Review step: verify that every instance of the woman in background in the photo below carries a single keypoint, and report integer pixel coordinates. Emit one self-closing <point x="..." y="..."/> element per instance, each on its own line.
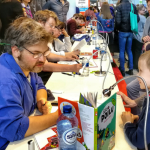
<point x="107" y="24"/>
<point x="26" y="6"/>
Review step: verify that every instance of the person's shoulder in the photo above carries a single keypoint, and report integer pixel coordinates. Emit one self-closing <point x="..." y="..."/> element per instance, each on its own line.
<point x="148" y="18"/>
<point x="71" y="21"/>
<point x="7" y="75"/>
<point x="119" y="7"/>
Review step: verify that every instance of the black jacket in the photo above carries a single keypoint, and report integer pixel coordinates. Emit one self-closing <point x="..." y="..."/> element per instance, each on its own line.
<point x="9" y="11"/>
<point x="122" y="21"/>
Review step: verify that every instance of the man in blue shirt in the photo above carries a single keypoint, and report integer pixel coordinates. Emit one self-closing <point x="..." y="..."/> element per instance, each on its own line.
<point x="21" y="90"/>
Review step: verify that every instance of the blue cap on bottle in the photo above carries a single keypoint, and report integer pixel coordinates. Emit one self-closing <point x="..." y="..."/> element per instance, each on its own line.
<point x="67" y="109"/>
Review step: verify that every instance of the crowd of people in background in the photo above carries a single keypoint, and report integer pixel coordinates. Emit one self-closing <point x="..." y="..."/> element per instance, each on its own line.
<point x="35" y="35"/>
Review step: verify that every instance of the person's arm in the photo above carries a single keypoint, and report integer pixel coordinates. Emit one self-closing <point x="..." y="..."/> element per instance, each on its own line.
<point x="55" y="58"/>
<point x="135" y="132"/>
<point x="39" y="123"/>
<point x="15" y="123"/>
<point x="118" y="17"/>
<point x="53" y="67"/>
<point x="139" y="101"/>
<point x="63" y="46"/>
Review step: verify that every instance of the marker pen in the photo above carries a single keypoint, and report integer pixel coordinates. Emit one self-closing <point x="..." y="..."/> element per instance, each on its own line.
<point x="31" y="145"/>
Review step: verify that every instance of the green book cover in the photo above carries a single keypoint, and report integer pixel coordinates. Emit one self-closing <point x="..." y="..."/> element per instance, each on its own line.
<point x="106" y="124"/>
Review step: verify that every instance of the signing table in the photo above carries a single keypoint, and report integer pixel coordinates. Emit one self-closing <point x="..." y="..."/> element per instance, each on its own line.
<point x="70" y="87"/>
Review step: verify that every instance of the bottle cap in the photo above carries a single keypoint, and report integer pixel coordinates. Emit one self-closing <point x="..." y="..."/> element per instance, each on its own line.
<point x="67" y="109"/>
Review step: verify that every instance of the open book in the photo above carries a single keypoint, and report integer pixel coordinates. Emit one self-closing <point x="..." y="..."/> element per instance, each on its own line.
<point x="98" y="122"/>
<point x="90" y="99"/>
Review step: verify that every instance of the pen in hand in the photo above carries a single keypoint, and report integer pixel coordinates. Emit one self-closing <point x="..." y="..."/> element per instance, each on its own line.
<point x="77" y="61"/>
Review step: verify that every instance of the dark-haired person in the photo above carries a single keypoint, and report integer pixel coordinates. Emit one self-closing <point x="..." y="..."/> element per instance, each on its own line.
<point x="60" y="7"/>
<point x="21" y="89"/>
<point x="9" y="11"/>
<point x="122" y="23"/>
<point x="59" y="46"/>
<point x="73" y="23"/>
<point x="26" y="6"/>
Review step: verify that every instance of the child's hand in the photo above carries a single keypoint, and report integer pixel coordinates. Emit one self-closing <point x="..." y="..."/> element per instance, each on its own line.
<point x="135" y="118"/>
<point x="126" y="117"/>
<point x="129" y="102"/>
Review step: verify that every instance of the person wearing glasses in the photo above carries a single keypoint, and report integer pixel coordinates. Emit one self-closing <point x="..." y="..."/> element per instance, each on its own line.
<point x="49" y="20"/>
<point x="60" y="47"/>
<point x="21" y="89"/>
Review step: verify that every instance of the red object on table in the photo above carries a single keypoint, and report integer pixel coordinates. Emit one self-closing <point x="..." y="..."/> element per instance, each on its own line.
<point x="95" y="56"/>
<point x="122" y="85"/>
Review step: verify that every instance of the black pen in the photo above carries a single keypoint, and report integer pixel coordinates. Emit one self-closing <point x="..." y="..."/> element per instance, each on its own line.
<point x="67" y="74"/>
<point x="77" y="61"/>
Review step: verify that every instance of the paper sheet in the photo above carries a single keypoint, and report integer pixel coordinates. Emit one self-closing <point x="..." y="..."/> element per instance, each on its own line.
<point x="80" y="45"/>
<point x="67" y="62"/>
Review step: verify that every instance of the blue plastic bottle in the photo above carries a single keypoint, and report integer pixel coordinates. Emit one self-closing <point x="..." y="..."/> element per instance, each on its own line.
<point x="67" y="125"/>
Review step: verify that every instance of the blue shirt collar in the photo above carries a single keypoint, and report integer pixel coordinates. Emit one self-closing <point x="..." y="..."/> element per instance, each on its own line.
<point x="12" y="63"/>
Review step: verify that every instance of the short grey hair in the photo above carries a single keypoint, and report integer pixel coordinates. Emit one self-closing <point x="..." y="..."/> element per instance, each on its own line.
<point x="25" y="32"/>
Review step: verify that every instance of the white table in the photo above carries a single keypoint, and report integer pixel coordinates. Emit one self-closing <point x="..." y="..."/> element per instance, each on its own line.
<point x="71" y="87"/>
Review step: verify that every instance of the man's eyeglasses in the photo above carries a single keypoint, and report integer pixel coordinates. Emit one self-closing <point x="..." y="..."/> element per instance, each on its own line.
<point x="38" y="55"/>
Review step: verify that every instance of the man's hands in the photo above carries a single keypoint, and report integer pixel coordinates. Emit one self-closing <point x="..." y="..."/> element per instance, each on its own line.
<point x="76" y="67"/>
<point x="129" y="103"/>
<point x="71" y="56"/>
<point x="76" y="52"/>
<point x="146" y="39"/>
<point x="128" y="117"/>
<point x="44" y="107"/>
